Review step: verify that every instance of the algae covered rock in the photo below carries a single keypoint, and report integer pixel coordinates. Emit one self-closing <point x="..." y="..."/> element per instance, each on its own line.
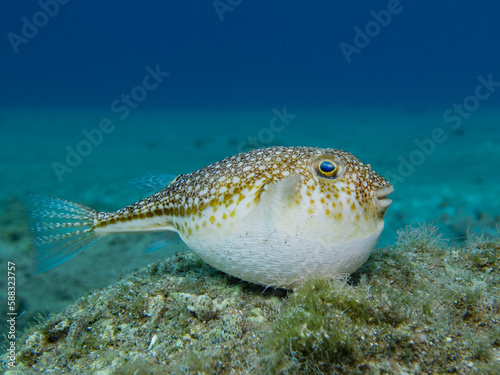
<point x="418" y="307"/>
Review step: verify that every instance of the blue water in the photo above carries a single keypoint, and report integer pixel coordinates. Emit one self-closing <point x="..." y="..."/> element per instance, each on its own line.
<point x="426" y="53"/>
<point x="411" y="87"/>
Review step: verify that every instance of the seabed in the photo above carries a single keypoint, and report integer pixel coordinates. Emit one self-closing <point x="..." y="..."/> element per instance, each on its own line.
<point x="420" y="306"/>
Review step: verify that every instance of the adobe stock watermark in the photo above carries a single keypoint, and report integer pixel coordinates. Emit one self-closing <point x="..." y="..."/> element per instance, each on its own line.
<point x="266" y="135"/>
<point x="121" y="107"/>
<point x="363" y="37"/>
<point x="453" y="116"/>
<point x="223" y="6"/>
<point x="32" y="25"/>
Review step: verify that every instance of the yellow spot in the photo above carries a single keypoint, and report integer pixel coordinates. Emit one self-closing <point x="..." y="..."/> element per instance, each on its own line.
<point x="311" y="211"/>
<point x="218" y="225"/>
<point x="212" y="219"/>
<point x="322" y="200"/>
<point x="224" y="216"/>
<point x="353" y="206"/>
<point x="339" y="216"/>
<point x="189" y="231"/>
<point x="197" y="227"/>
<point x="327" y="212"/>
<point x="233" y="212"/>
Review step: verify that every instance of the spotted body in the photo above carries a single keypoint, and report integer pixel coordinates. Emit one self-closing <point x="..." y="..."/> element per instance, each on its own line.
<point x="270" y="216"/>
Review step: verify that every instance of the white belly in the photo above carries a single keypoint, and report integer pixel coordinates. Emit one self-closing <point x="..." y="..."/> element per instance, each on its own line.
<point x="273" y="257"/>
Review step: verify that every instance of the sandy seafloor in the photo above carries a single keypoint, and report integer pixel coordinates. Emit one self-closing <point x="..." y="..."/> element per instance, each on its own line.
<point x="456" y="186"/>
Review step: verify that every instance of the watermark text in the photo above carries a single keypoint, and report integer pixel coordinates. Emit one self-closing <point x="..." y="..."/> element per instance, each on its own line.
<point x="266" y="135"/>
<point x="32" y="25"/>
<point x="121" y="107"/>
<point x="11" y="314"/>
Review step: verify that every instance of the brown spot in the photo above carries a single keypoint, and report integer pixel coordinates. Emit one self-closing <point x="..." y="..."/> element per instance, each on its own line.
<point x="157" y="212"/>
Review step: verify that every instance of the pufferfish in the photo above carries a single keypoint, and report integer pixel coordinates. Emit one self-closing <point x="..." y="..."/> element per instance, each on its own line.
<point x="271" y="216"/>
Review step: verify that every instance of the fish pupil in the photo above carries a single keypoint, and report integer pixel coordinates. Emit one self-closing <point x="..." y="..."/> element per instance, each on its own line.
<point x="327" y="167"/>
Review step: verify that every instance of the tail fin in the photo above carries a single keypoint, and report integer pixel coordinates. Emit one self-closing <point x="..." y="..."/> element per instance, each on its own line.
<point x="61" y="228"/>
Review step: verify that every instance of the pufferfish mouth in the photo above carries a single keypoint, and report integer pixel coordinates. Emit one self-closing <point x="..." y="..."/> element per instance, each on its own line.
<point x="381" y="197"/>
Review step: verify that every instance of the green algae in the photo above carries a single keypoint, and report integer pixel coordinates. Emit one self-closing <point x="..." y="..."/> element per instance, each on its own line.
<point x="420" y="306"/>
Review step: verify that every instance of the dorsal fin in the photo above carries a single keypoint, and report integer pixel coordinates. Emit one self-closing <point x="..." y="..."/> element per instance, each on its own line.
<point x="153" y="183"/>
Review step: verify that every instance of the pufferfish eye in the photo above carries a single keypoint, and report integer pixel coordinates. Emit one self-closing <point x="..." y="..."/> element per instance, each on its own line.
<point x="327" y="168"/>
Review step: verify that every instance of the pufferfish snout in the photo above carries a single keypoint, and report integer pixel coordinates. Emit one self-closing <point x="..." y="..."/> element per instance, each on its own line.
<point x="270" y="216"/>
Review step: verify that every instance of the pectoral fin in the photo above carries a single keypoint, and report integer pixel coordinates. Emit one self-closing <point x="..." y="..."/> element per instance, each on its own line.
<point x="274" y="197"/>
